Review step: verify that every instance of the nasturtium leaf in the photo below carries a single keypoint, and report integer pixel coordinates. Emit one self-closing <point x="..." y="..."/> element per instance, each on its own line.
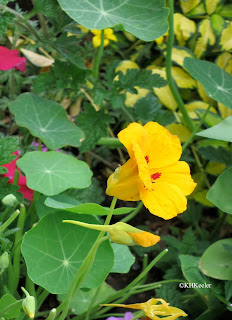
<point x="82" y="300"/>
<point x="123" y="258"/>
<point x="189" y="267"/>
<point x="216" y="262"/>
<point x="6" y="301"/>
<point x="220" y="192"/>
<point x="7" y="146"/>
<point x="222" y="131"/>
<point x="147" y="20"/>
<point x="53" y="172"/>
<point x="46" y="120"/>
<point x="217" y="82"/>
<point x="54" y="252"/>
<point x="41" y="209"/>
<point x="86" y="208"/>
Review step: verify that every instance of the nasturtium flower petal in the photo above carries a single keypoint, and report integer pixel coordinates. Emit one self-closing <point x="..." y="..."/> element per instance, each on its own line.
<point x="133" y="133"/>
<point x="177" y="174"/>
<point x="144" y="239"/>
<point x="162" y="147"/>
<point x="124" y="182"/>
<point x="165" y="200"/>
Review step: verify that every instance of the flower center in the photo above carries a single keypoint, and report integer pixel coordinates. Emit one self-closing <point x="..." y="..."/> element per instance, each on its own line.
<point x="155" y="176"/>
<point x="147" y="159"/>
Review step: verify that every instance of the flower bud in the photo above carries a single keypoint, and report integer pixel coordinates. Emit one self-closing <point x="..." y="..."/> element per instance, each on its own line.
<point x="9" y="200"/>
<point x="29" y="304"/>
<point x="4" y="260"/>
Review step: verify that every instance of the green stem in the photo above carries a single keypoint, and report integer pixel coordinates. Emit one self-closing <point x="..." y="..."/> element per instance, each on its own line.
<point x="42" y="22"/>
<point x="200" y="166"/>
<point x="12" y="84"/>
<point x="188" y="121"/>
<point x="9" y="221"/>
<point x="44" y="294"/>
<point x="218" y="225"/>
<point x="52" y="314"/>
<point x="135" y="281"/>
<point x="111" y="142"/>
<point x="133" y="213"/>
<point x="197" y="128"/>
<point x="16" y="178"/>
<point x="92" y="303"/>
<point x="15" y="274"/>
<point x="5" y="213"/>
<point x="85" y="267"/>
<point x="30" y="287"/>
<point x="98" y="57"/>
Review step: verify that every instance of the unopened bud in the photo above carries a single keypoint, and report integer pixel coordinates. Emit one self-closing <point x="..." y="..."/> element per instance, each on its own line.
<point x="9" y="200"/>
<point x="4" y="260"/>
<point x="28" y="304"/>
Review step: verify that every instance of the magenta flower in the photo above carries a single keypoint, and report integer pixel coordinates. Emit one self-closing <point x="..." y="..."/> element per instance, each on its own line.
<point x="11" y="167"/>
<point x="127" y="316"/>
<point x="10" y="59"/>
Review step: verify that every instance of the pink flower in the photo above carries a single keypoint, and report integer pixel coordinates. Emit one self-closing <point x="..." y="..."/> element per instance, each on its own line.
<point x="127" y="316"/>
<point x="10" y="59"/>
<point x="11" y="167"/>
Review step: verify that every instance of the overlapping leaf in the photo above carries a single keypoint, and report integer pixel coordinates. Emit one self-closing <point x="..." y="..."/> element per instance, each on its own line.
<point x="7" y="146"/>
<point x="47" y="120"/>
<point x="146" y="20"/>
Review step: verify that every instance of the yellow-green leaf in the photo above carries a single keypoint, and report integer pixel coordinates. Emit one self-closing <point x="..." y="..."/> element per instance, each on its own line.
<point x="199" y="10"/>
<point x="178" y="129"/>
<point x="211" y="5"/>
<point x="225" y="112"/>
<point x="179" y="54"/>
<point x="192" y="106"/>
<point x="188" y="5"/>
<point x="206" y="38"/>
<point x="223" y="59"/>
<point x="215" y="168"/>
<point x="226" y="38"/>
<point x="217" y="23"/>
<point x="182" y="78"/>
<point x="131" y="98"/>
<point x="202" y="92"/>
<point x="184" y="28"/>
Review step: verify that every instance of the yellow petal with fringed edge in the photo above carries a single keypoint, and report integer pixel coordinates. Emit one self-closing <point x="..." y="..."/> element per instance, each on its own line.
<point x="153" y="309"/>
<point x="206" y="38"/>
<point x="184" y="28"/>
<point x="226" y="38"/>
<point x="153" y="173"/>
<point x="188" y="5"/>
<point x="211" y="6"/>
<point x="183" y="79"/>
<point x="179" y="54"/>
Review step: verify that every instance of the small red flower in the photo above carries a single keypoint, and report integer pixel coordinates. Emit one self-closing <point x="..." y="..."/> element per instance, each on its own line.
<point x="11" y="167"/>
<point x="10" y="59"/>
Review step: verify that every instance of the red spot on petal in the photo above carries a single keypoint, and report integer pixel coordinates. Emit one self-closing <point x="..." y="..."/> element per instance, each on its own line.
<point x="147" y="159"/>
<point x="155" y="176"/>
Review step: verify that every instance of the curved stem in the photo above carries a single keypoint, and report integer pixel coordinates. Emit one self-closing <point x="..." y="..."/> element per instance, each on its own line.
<point x="98" y="57"/>
<point x="188" y="121"/>
<point x="133" y="213"/>
<point x="9" y="221"/>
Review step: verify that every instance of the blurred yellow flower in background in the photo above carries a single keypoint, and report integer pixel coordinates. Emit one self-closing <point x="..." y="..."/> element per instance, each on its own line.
<point x="153" y="310"/>
<point x="108" y="35"/>
<point x="153" y="173"/>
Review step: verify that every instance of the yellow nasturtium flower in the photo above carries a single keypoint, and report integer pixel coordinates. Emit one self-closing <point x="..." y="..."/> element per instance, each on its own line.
<point x="153" y="173"/>
<point x="153" y="310"/>
<point x="122" y="233"/>
<point x="108" y="35"/>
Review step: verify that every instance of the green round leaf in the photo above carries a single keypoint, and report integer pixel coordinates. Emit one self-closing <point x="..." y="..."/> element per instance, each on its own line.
<point x="53" y="172"/>
<point x="147" y="20"/>
<point x="222" y="131"/>
<point x="220" y="193"/>
<point x="216" y="81"/>
<point x="47" y="120"/>
<point x="216" y="261"/>
<point x="54" y="251"/>
<point x="123" y="258"/>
